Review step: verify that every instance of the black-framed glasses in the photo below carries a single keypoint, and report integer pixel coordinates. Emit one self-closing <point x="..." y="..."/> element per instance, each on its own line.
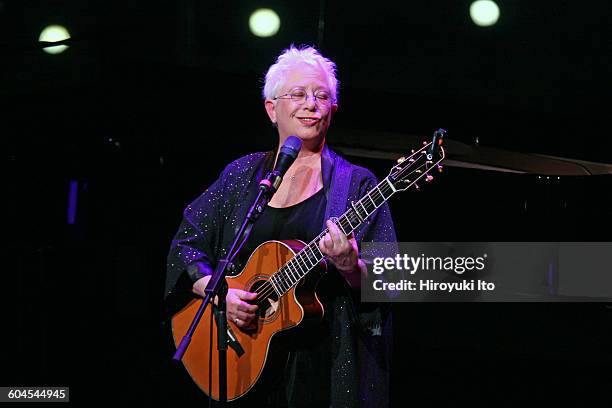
<point x="300" y="96"/>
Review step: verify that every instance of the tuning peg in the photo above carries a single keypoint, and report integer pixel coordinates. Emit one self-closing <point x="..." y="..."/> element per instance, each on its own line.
<point x="428" y="178"/>
<point x="439" y="168"/>
<point x="417" y="186"/>
<point x="424" y="143"/>
<point x="412" y="151"/>
<point x="401" y="159"/>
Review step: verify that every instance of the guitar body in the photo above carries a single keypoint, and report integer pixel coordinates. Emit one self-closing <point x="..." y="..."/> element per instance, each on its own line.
<point x="299" y="305"/>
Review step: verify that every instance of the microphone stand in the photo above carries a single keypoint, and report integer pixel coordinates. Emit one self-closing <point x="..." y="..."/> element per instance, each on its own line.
<point x="217" y="285"/>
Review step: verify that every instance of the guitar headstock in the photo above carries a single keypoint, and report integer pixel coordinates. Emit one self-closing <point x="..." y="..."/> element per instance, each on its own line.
<point x="418" y="166"/>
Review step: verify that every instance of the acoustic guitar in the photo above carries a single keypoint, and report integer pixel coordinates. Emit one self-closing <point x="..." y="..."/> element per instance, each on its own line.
<point x="284" y="274"/>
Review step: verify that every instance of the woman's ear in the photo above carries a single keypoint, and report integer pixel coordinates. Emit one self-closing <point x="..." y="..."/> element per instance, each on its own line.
<point x="271" y="110"/>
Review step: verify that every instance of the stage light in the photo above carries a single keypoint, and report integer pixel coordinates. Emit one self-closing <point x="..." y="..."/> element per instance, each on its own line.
<point x="54" y="33"/>
<point x="484" y="13"/>
<point x="264" y="22"/>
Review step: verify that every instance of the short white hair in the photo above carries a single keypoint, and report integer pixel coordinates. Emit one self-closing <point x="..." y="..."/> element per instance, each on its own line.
<point x="277" y="73"/>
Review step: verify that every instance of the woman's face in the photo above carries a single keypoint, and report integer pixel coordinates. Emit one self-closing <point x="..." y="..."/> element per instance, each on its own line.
<point x="308" y="120"/>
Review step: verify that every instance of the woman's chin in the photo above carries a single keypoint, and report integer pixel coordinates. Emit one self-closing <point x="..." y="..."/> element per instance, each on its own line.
<point x="308" y="135"/>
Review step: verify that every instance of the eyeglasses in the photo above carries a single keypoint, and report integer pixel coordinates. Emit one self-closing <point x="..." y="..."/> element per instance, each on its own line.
<point x="300" y="96"/>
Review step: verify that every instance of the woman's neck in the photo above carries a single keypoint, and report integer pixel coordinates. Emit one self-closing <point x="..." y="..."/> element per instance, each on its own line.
<point x="302" y="180"/>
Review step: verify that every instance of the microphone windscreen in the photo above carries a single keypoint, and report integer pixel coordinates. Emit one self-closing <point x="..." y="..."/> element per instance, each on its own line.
<point x="292" y="146"/>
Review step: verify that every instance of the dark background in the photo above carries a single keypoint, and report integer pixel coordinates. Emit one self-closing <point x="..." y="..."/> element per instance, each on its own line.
<point x="152" y="99"/>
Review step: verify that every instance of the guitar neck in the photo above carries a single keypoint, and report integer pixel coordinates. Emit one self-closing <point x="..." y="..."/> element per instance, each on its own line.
<point x="305" y="260"/>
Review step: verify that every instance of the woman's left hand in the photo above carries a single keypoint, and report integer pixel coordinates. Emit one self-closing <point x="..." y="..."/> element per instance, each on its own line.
<point x="343" y="253"/>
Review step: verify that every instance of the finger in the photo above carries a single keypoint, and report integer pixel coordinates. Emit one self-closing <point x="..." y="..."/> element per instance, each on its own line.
<point x="238" y="322"/>
<point x="324" y="243"/>
<point x="337" y="236"/>
<point x="244" y="295"/>
<point x="331" y="226"/>
<point x="322" y="246"/>
<point x="328" y="243"/>
<point x="247" y="307"/>
<point x="232" y="300"/>
<point x="245" y="317"/>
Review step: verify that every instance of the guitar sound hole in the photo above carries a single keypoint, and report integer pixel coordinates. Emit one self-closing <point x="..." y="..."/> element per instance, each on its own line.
<point x="267" y="299"/>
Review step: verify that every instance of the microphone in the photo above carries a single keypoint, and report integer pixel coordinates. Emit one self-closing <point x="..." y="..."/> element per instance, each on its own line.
<point x="286" y="157"/>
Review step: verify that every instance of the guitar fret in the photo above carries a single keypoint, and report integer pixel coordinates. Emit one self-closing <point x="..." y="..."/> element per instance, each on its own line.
<point x="297" y="260"/>
<point x="298" y="270"/>
<point x="356" y="219"/>
<point x="287" y="277"/>
<point x="381" y="193"/>
<point x="390" y="185"/>
<point x="292" y="275"/>
<point x="390" y="191"/>
<point x="320" y="256"/>
<point x="349" y="221"/>
<point x="339" y="224"/>
<point x="313" y="254"/>
<point x="297" y="265"/>
<point x="281" y="282"/>
<point x="365" y="209"/>
<point x="291" y="263"/>
<point x="375" y="206"/>
<point x="312" y="258"/>
<point x="382" y="196"/>
<point x="307" y="260"/>
<point x="287" y="280"/>
<point x="274" y="285"/>
<point x="361" y="219"/>
<point x="308" y="265"/>
<point x="346" y="226"/>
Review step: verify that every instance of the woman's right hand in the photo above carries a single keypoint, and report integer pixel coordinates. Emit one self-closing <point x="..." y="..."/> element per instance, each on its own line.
<point x="239" y="311"/>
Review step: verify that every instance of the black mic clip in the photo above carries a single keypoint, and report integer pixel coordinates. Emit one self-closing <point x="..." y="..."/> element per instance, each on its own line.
<point x="270" y="183"/>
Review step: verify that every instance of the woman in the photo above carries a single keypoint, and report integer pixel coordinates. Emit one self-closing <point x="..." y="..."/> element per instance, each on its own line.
<point x="345" y="360"/>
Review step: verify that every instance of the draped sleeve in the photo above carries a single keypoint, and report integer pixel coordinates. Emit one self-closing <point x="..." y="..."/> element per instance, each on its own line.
<point x="208" y="227"/>
<point x="193" y="249"/>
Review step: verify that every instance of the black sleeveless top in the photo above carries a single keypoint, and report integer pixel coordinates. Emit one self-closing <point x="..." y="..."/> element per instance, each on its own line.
<point x="301" y="221"/>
